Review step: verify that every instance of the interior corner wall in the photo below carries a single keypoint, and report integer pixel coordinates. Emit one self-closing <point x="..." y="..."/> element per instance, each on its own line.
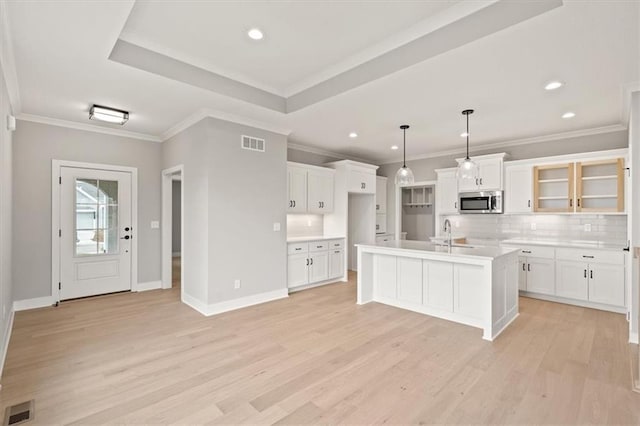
<point x="6" y="293"/>
<point x="247" y="195"/>
<point x="35" y="146"/>
<point x="189" y="149"/>
<point x="425" y="169"/>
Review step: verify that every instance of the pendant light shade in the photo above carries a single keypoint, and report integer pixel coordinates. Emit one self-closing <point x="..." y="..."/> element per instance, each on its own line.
<point x="404" y="176"/>
<point x="467" y="169"/>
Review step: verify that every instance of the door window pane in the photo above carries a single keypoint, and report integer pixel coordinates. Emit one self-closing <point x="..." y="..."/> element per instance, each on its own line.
<point x="96" y="220"/>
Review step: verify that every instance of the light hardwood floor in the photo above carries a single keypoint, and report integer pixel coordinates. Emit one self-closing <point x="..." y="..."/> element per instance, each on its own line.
<point x="316" y="357"/>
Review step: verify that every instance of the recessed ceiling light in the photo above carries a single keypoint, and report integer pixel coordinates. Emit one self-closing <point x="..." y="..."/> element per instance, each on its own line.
<point x="255" y="34"/>
<point x="464" y="134"/>
<point x="569" y="114"/>
<point x="553" y="85"/>
<point x="353" y="135"/>
<point x="110" y="115"/>
<point x="394" y="147"/>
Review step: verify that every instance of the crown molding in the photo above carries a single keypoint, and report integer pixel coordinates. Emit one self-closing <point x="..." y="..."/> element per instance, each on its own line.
<point x="7" y="60"/>
<point x="221" y="115"/>
<point x="517" y="142"/>
<point x="320" y="151"/>
<point x="87" y="127"/>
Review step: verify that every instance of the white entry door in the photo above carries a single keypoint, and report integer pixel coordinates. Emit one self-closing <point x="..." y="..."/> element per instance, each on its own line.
<point x="95" y="232"/>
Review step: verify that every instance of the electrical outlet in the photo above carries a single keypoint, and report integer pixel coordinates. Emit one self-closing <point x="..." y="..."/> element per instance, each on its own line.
<point x="587" y="227"/>
<point x="236" y="284"/>
<point x="457" y="224"/>
<point x="533" y="226"/>
<point x="155" y="224"/>
<point x="276" y="226"/>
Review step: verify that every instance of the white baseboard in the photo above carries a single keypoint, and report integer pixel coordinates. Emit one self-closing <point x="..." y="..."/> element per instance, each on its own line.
<point x="633" y="338"/>
<point x="232" y="305"/>
<point x="149" y="285"/>
<point x="38" y="302"/>
<point x="5" y="344"/>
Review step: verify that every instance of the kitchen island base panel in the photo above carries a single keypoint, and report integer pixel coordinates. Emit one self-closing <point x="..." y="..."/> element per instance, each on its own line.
<point x="480" y="292"/>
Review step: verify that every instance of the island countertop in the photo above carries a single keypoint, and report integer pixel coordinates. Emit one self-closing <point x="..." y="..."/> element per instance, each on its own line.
<point x="459" y="251"/>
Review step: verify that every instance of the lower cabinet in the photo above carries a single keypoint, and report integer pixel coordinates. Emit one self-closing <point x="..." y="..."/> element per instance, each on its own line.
<point x="540" y="275"/>
<point x="314" y="262"/>
<point x="437" y="285"/>
<point x="599" y="283"/>
<point x="572" y="280"/>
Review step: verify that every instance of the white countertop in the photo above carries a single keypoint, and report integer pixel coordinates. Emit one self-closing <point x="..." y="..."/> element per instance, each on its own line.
<point x="565" y="243"/>
<point x="314" y="238"/>
<point x="428" y="247"/>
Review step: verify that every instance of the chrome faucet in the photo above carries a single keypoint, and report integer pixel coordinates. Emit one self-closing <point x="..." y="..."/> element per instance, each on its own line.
<point x="447" y="229"/>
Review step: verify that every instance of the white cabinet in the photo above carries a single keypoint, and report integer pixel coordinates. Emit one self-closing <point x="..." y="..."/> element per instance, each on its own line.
<point x="437" y="285"/>
<point x="447" y="191"/>
<point x="606" y="284"/>
<point x="540" y="275"/>
<point x="572" y="280"/>
<point x="386" y="276"/>
<point x="297" y="189"/>
<point x="381" y="194"/>
<point x="518" y="195"/>
<point x="409" y="280"/>
<point x="522" y="273"/>
<point x="310" y="189"/>
<point x="381" y="223"/>
<point x="361" y="181"/>
<point x="467" y="291"/>
<point x="489" y="175"/>
<point x="384" y="238"/>
<point x="314" y="262"/>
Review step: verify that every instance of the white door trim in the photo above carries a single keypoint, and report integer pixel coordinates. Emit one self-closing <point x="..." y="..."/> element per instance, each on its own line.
<point x="55" y="218"/>
<point x="167" y="212"/>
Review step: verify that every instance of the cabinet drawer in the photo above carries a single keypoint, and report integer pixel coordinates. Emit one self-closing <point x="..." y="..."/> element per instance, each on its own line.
<point x="335" y="244"/>
<point x="591" y="256"/>
<point x="536" y="251"/>
<point x="318" y="246"/>
<point x="296" y="248"/>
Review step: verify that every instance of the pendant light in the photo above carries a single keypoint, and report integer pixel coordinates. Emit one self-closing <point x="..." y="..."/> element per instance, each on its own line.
<point x="467" y="169"/>
<point x="404" y="176"/>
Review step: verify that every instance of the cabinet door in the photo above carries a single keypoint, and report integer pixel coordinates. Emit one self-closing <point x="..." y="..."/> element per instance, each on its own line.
<point x="381" y="194"/>
<point x="468" y="296"/>
<point x="385" y="277"/>
<point x="410" y="280"/>
<point x="540" y="275"/>
<point x="297" y="270"/>
<point x="447" y="192"/>
<point x="319" y="191"/>
<point x="318" y="266"/>
<point x="336" y="264"/>
<point x="522" y="273"/>
<point x="571" y="280"/>
<point x="490" y="176"/>
<point x="519" y="189"/>
<point x="437" y="285"/>
<point x="381" y="223"/>
<point x="606" y="284"/>
<point x="297" y="188"/>
<point x="468" y="185"/>
<point x="362" y="182"/>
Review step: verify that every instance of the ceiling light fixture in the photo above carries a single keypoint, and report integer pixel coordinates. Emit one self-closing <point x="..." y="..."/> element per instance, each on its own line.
<point x="353" y="135"/>
<point x="404" y="176"/>
<point x="467" y="169"/>
<point x="394" y="147"/>
<point x="255" y="34"/>
<point x="553" y="85"/>
<point x="110" y="115"/>
<point x="569" y="114"/>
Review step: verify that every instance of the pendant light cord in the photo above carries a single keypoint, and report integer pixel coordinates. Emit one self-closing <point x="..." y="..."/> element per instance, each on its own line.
<point x="404" y="147"/>
<point x="467" y="137"/>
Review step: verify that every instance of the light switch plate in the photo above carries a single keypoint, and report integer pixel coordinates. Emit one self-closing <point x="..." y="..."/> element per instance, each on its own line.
<point x="155" y="224"/>
<point x="533" y="226"/>
<point x="276" y="226"/>
<point x="587" y="227"/>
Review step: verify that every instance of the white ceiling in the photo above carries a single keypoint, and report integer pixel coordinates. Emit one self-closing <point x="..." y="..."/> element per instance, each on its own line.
<point x="61" y="52"/>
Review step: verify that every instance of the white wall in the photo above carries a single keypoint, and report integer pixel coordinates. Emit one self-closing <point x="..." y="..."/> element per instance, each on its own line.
<point x="35" y="145"/>
<point x="6" y="296"/>
<point x="232" y="199"/>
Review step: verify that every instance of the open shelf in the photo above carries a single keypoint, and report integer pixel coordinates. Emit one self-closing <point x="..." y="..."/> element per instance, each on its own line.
<point x="599" y="177"/>
<point x="553" y="180"/>
<point x="553" y="198"/>
<point x="599" y="196"/>
<point x="417" y="204"/>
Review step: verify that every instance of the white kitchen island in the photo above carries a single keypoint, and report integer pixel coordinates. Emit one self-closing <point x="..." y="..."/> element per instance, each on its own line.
<point x="476" y="286"/>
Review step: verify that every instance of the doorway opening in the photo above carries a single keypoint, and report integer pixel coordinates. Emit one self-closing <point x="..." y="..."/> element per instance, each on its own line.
<point x="173" y="253"/>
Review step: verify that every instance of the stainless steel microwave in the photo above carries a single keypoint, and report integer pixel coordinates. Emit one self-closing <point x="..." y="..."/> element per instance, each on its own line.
<point x="488" y="202"/>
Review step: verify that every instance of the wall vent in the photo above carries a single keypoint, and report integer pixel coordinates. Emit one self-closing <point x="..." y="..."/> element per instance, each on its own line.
<point x="19" y="413"/>
<point x="253" y="144"/>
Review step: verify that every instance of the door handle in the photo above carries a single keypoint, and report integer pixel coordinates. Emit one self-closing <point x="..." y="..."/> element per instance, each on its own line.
<point x="578" y="202"/>
<point x="591" y="274"/>
<point x="480" y="181"/>
<point x="587" y="257"/>
<point x="307" y="262"/>
<point x="126" y="237"/>
<point x="311" y="261"/>
<point x="290" y="203"/>
<point x="529" y="267"/>
<point x="529" y="203"/>
<point x="526" y="251"/>
<point x="294" y="203"/>
<point x="127" y="229"/>
<point x="585" y="273"/>
<point x="524" y="267"/>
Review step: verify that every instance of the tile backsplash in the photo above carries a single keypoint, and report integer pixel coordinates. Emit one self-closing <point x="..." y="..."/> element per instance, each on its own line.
<point x="610" y="229"/>
<point x="305" y="225"/>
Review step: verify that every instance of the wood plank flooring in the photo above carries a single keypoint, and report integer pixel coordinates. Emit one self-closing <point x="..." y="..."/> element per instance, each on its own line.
<point x="316" y="357"/>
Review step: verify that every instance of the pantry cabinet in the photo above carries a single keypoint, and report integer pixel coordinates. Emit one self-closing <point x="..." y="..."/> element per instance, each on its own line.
<point x="297" y="189"/>
<point x="447" y="191"/>
<point x="518" y="197"/>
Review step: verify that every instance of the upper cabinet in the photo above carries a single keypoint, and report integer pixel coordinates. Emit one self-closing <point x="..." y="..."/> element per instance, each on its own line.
<point x="360" y="177"/>
<point x="310" y="189"/>
<point x="518" y="197"/>
<point x="381" y="194"/>
<point x="489" y="174"/>
<point x="591" y="186"/>
<point x="447" y="191"/>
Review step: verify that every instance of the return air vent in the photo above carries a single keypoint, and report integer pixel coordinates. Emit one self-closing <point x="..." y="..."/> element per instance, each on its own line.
<point x="253" y="144"/>
<point x="19" y="413"/>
